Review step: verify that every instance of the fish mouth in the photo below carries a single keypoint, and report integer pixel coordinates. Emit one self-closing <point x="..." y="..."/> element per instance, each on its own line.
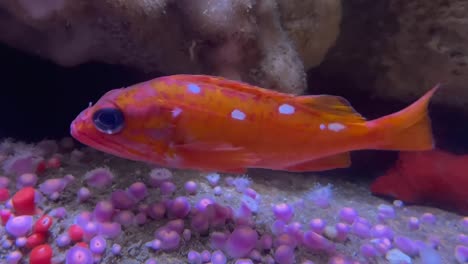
<point x="82" y="132"/>
<point x="82" y="137"/>
<point x="86" y="135"/>
<point x="102" y="144"/>
<point x="73" y="132"/>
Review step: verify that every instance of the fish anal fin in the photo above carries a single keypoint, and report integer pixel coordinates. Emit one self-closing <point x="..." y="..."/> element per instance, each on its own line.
<point x="341" y="160"/>
<point x="333" y="107"/>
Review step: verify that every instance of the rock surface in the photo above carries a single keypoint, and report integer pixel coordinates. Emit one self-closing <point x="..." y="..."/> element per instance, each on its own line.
<point x="400" y="49"/>
<point x="240" y="39"/>
<point x="430" y="47"/>
<point x="389" y="49"/>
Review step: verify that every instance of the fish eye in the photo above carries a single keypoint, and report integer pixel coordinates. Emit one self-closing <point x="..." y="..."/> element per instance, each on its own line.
<point x="108" y="120"/>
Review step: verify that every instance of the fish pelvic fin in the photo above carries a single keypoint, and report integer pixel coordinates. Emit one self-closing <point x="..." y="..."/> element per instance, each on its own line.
<point x="407" y="130"/>
<point x="213" y="156"/>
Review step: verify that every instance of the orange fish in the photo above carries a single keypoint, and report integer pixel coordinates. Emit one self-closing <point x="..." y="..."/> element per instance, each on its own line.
<point x="432" y="177"/>
<point x="210" y="123"/>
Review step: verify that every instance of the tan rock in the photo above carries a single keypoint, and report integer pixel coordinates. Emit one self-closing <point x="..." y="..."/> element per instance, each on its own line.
<point x="240" y="39"/>
<point x="398" y="50"/>
<point x="430" y="46"/>
<point x="314" y="27"/>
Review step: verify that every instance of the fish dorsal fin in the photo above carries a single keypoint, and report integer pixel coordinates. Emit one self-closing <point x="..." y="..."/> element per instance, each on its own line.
<point x="230" y="84"/>
<point x="334" y="107"/>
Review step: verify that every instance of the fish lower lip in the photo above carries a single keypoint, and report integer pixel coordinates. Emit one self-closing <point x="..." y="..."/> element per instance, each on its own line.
<point x="72" y="130"/>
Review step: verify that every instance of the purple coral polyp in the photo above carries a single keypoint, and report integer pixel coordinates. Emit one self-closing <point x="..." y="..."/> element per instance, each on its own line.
<point x="347" y="215"/>
<point x="103" y="211"/>
<point x="406" y="245"/>
<point x="317" y="225"/>
<point x="179" y="207"/>
<point x="314" y="241"/>
<point x="4" y="182"/>
<point x="51" y="186"/>
<point x="19" y="226"/>
<point x="99" y="178"/>
<point x="26" y="180"/>
<point x="191" y="187"/>
<point x="380" y="230"/>
<point x="138" y="191"/>
<point x="122" y="200"/>
<point x="241" y="241"/>
<point x="156" y="210"/>
<point x="283" y="212"/>
<point x="98" y="245"/>
<point x="170" y="239"/>
<point x="79" y="255"/>
<point x="158" y="176"/>
<point x="109" y="230"/>
<point x="285" y="255"/>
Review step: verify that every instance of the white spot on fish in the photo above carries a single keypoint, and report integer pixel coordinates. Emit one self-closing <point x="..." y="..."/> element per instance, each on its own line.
<point x="176" y="112"/>
<point x="193" y="88"/>
<point x="237" y="114"/>
<point x="90" y="104"/>
<point x="336" y="127"/>
<point x="286" y="109"/>
<point x="322" y="127"/>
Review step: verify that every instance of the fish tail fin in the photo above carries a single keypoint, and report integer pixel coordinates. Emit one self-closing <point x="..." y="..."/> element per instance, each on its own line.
<point x="406" y="130"/>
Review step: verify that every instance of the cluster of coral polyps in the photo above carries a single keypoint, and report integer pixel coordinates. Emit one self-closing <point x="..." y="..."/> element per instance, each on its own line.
<point x="63" y="205"/>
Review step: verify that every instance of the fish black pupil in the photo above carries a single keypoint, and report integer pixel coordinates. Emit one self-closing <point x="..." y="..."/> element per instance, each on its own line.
<point x="108" y="120"/>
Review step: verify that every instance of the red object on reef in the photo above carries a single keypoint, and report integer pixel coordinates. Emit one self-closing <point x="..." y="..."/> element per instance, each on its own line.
<point x="41" y="254"/>
<point x="76" y="233"/>
<point x="427" y="177"/>
<point x="23" y="201"/>
<point x="43" y="224"/>
<point x="5" y="215"/>
<point x="82" y="244"/>
<point x="53" y="163"/>
<point x="4" y="194"/>
<point x="36" y="239"/>
<point x="41" y="167"/>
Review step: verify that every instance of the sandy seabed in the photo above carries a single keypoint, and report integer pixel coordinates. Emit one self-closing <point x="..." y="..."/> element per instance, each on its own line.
<point x="300" y="191"/>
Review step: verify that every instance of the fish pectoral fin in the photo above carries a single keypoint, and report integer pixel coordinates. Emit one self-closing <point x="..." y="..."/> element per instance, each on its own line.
<point x="342" y="160"/>
<point x="333" y="107"/>
<point x="216" y="156"/>
<point x="208" y="146"/>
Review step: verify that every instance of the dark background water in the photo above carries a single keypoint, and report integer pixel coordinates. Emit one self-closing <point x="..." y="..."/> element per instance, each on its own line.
<point x="39" y="99"/>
